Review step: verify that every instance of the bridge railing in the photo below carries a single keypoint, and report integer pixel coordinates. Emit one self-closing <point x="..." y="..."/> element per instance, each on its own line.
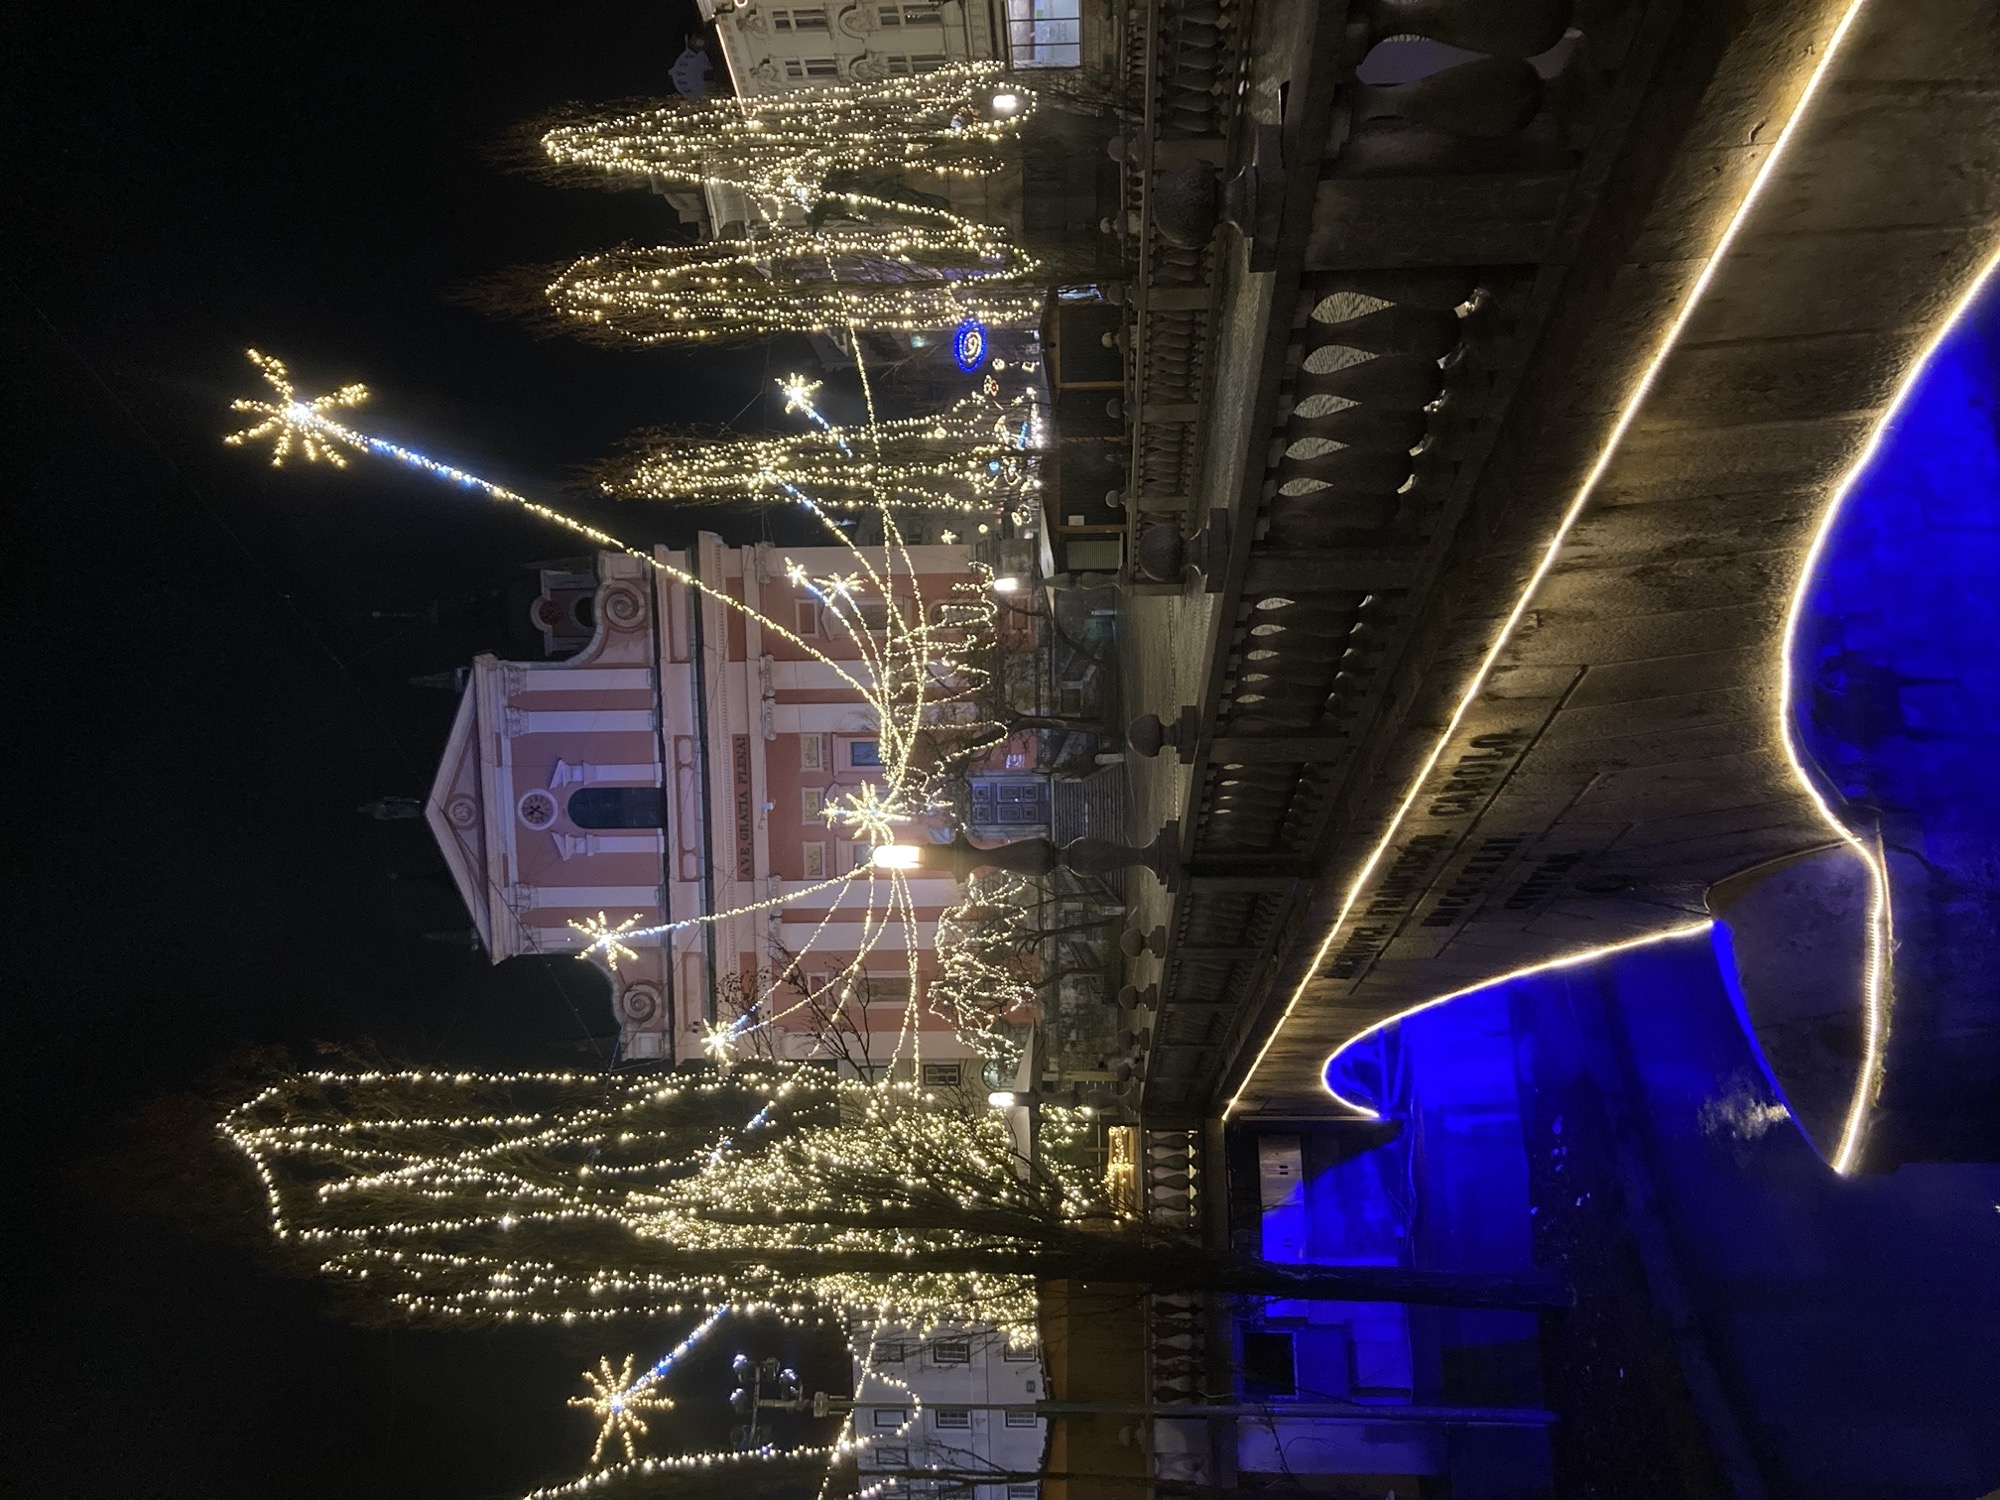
<point x="1445" y="184"/>
<point x="1183" y="61"/>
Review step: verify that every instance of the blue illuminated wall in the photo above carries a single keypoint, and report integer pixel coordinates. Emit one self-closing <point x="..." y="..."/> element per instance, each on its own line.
<point x="1618" y="1121"/>
<point x="1898" y="668"/>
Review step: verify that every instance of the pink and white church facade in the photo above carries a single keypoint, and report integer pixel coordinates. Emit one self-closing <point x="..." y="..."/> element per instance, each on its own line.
<point x="674" y="767"/>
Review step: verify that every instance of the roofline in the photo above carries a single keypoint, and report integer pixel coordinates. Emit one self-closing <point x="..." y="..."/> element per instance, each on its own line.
<point x="471" y="883"/>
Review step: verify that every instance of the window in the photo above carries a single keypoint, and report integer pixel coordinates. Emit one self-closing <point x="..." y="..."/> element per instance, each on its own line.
<point x="1021" y="1355"/>
<point x="812" y="803"/>
<point x="812" y="67"/>
<point x="889" y="1416"/>
<point x="922" y="62"/>
<point x="951" y="1419"/>
<point x="862" y="754"/>
<point x="1045" y="33"/>
<point x="909" y="15"/>
<point x="618" y="807"/>
<point x="889" y="1458"/>
<point x="814" y="861"/>
<point x="1023" y="1491"/>
<point x="805" y="614"/>
<point x="952" y="1352"/>
<point x="874" y="614"/>
<point x="890" y="990"/>
<point x="1022" y="1419"/>
<point x="891" y="1352"/>
<point x="1268" y="1368"/>
<point x="860" y="855"/>
<point x="812" y="753"/>
<point x="799" y="18"/>
<point x="1016" y="801"/>
<point x="942" y="1075"/>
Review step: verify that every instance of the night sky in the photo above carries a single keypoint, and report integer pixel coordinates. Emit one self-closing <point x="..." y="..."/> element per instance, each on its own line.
<point x="209" y="667"/>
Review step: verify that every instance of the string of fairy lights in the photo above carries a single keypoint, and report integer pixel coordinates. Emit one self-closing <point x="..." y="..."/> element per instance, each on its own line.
<point x="618" y="1398"/>
<point x="782" y="149"/>
<point x="903" y="667"/>
<point x="758" y="1189"/>
<point x="902" y="262"/>
<point x="783" y="1191"/>
<point x="974" y="456"/>
<point x="982" y="986"/>
<point x="911" y="675"/>
<point x="899" y="278"/>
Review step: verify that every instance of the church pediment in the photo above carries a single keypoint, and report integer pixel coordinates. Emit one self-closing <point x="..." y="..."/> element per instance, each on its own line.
<point x="456" y="812"/>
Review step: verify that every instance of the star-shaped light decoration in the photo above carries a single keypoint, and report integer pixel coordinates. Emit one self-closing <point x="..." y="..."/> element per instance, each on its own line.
<point x="798" y="393"/>
<point x="616" y="1403"/>
<point x="289" y="420"/>
<point x="605" y="938"/>
<point x="868" y="817"/>
<point x="839" y="586"/>
<point x="719" y="1042"/>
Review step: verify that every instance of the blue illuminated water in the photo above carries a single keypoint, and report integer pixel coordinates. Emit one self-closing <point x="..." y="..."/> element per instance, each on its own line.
<point x="1619" y="1120"/>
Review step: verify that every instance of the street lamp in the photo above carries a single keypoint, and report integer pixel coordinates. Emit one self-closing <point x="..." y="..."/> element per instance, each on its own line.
<point x="896" y="856"/>
<point x="750" y="1401"/>
<point x="961" y="858"/>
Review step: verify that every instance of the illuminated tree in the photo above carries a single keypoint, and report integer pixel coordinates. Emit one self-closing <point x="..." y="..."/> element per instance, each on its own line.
<point x="560" y="1196"/>
<point x="573" y="1196"/>
<point x="989" y="975"/>
<point x="974" y="455"/>
<point x="789" y="280"/>
<point x="783" y="148"/>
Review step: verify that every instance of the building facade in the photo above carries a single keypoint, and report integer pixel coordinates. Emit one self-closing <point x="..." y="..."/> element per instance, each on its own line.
<point x="925" y="1414"/>
<point x="770" y="49"/>
<point x="676" y="770"/>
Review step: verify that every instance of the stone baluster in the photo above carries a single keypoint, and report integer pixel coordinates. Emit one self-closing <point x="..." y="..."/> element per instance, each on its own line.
<point x="962" y="858"/>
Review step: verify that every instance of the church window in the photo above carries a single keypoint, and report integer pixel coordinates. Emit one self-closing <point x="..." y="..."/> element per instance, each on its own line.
<point x="618" y="807"/>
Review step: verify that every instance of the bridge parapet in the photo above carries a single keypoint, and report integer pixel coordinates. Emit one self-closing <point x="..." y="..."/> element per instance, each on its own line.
<point x="1429" y="307"/>
<point x="1326" y="324"/>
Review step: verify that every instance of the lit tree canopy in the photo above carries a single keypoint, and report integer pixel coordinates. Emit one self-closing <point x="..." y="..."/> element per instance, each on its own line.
<point x="973" y="455"/>
<point x="785" y="146"/>
<point x="982" y="985"/>
<point x="567" y="1196"/>
<point x="789" y="280"/>
<point x="575" y="1196"/>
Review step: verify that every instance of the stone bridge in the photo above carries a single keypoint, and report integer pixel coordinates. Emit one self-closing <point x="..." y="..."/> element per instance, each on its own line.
<point x="1476" y="467"/>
